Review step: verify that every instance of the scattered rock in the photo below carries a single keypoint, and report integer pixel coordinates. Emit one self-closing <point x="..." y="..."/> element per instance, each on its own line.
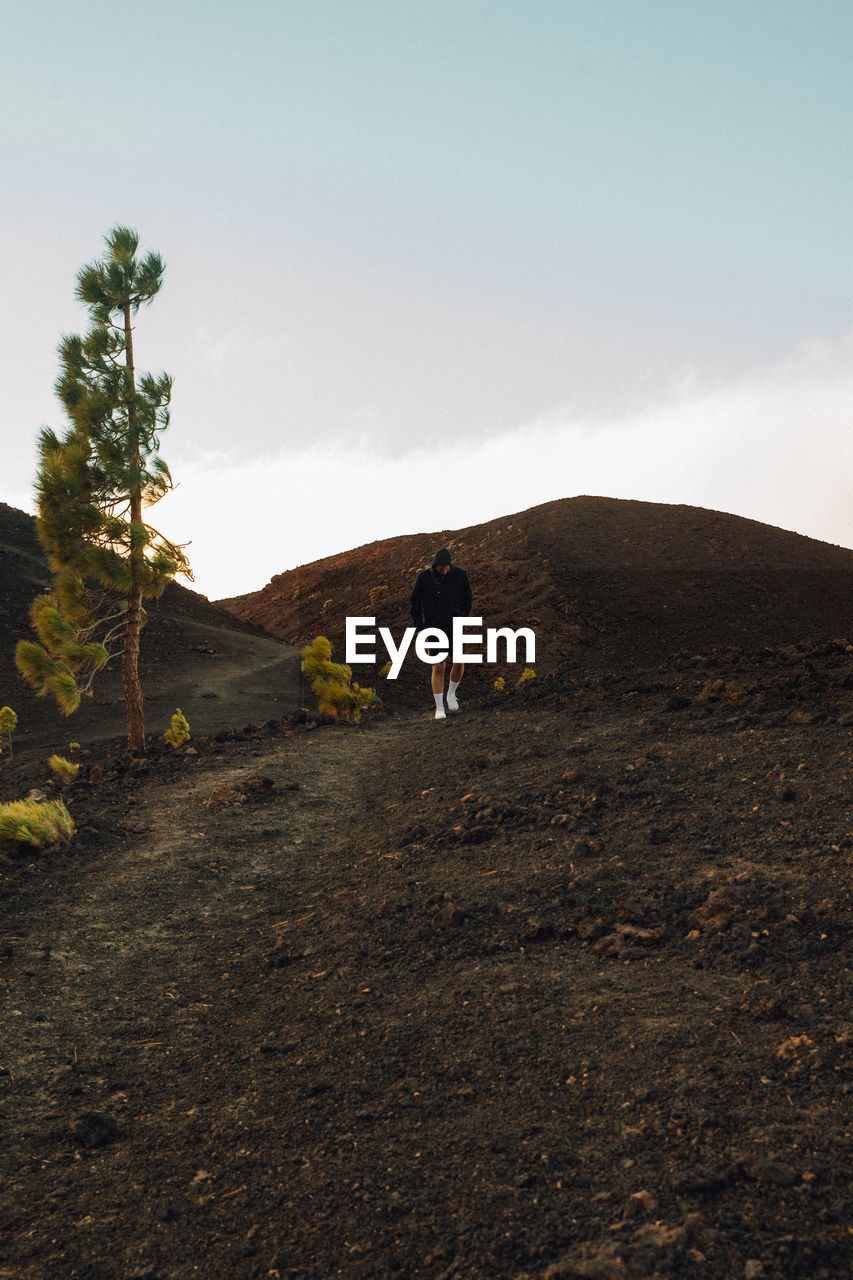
<point x="588" y="930"/>
<point x="225" y="794"/>
<point x="255" y="783"/>
<point x="536" y="930"/>
<point x="645" y="937"/>
<point x="806" y="717"/>
<point x="640" y="1203"/>
<point x="449" y="916"/>
<point x="95" y="1129"/>
<point x="769" y="1172"/>
<point x="770" y="1009"/>
<point x="659" y="1236"/>
<point x="611" y="946"/>
<point x="135" y="826"/>
<point x="717" y="909"/>
<point x="795" y="1048"/>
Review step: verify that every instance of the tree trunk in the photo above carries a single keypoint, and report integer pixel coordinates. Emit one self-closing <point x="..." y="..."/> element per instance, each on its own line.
<point x="130" y="673"/>
<point x="133" y="624"/>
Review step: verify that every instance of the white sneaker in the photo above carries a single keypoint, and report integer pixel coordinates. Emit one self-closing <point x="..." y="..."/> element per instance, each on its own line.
<point x="452" y="704"/>
<point x="439" y="713"/>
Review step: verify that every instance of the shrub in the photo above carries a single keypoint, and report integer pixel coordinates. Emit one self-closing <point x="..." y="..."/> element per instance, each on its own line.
<point x="64" y="769"/>
<point x="40" y="823"/>
<point x="500" y="684"/>
<point x="332" y="683"/>
<point x="8" y="724"/>
<point x="179" y="732"/>
<point x="526" y="676"/>
<point x="383" y="671"/>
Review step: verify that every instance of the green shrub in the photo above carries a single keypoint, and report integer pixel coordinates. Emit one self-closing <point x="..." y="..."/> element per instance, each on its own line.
<point x="8" y="724"/>
<point x="179" y="733"/>
<point x="500" y="684"/>
<point x="40" y="823"/>
<point x="332" y="683"/>
<point x="526" y="676"/>
<point x="64" y="769"/>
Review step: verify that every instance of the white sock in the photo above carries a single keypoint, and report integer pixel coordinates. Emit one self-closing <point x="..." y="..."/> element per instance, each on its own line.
<point x="452" y="704"/>
<point x="439" y="706"/>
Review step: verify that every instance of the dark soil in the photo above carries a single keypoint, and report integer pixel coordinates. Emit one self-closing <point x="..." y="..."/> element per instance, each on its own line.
<point x="558" y="987"/>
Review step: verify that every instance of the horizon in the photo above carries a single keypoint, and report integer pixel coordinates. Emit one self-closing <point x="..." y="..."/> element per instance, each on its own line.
<point x="448" y="534"/>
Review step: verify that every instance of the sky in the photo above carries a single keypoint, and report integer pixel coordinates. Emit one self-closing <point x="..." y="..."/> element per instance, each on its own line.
<point x="430" y="262"/>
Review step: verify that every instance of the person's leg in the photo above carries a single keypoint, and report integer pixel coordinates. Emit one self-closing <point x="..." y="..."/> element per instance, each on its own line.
<point x="438" y="689"/>
<point x="456" y="673"/>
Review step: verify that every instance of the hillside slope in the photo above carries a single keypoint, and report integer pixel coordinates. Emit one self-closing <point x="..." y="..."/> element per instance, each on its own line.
<point x="604" y="582"/>
<point x="221" y="671"/>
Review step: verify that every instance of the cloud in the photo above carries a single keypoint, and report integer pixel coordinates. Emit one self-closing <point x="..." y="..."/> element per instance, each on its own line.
<point x="774" y="445"/>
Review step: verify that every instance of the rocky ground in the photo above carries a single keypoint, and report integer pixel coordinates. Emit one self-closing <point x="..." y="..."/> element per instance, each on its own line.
<point x="560" y="987"/>
<point x="557" y="988"/>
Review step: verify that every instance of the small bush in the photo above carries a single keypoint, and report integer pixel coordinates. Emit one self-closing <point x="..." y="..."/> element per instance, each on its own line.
<point x="40" y="823"/>
<point x="8" y="724"/>
<point x="179" y="733"/>
<point x="64" y="769"/>
<point x="500" y="684"/>
<point x="383" y="671"/>
<point x="332" y="683"/>
<point x="526" y="676"/>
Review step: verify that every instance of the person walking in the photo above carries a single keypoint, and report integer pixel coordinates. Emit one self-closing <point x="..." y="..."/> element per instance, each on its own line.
<point x="442" y="593"/>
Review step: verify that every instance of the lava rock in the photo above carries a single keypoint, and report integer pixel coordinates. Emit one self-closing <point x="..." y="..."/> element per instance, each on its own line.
<point x="95" y="1129"/>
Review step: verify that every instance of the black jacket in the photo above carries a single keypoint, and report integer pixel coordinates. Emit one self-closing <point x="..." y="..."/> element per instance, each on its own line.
<point x="437" y="599"/>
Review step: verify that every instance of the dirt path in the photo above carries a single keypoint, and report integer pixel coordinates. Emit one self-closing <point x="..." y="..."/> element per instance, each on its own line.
<point x="235" y="679"/>
<point x="140" y="921"/>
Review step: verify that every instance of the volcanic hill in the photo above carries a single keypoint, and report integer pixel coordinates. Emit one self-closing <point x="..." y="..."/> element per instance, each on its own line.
<point x="604" y="582"/>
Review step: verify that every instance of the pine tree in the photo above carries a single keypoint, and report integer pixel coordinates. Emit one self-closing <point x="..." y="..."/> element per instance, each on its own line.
<point x="92" y="489"/>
